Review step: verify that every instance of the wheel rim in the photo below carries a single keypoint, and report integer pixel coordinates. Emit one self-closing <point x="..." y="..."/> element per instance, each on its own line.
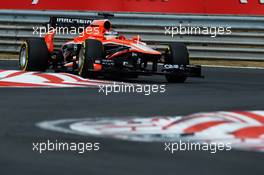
<point x="23" y="57"/>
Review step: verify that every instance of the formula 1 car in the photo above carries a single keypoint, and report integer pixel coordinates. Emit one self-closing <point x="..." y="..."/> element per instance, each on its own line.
<point x="101" y="51"/>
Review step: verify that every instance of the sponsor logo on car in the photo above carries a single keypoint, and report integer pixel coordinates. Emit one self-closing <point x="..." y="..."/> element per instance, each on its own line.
<point x="171" y="66"/>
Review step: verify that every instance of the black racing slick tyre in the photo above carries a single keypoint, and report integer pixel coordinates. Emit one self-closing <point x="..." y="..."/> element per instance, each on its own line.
<point x="91" y="50"/>
<point x="34" y="55"/>
<point x="177" y="54"/>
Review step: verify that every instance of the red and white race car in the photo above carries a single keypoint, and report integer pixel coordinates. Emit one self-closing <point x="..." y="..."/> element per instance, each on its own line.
<point x="101" y="51"/>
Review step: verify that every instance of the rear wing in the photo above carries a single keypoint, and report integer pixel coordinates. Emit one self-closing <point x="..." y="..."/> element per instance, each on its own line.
<point x="69" y="22"/>
<point x="76" y="22"/>
<point x="72" y="26"/>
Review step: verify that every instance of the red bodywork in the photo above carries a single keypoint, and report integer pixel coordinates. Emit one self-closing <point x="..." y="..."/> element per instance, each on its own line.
<point x="97" y="30"/>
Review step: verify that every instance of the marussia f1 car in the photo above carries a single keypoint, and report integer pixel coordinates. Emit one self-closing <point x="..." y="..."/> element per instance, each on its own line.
<point x="101" y="52"/>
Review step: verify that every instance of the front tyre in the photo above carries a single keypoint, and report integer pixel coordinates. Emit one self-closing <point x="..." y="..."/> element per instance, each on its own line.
<point x="34" y="55"/>
<point x="91" y="50"/>
<point x="177" y="54"/>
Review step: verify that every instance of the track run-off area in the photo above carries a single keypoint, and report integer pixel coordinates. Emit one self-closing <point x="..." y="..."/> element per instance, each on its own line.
<point x="130" y="126"/>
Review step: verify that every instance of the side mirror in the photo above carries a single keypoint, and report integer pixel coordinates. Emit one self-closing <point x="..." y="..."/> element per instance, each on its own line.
<point x="136" y="38"/>
<point x="122" y="37"/>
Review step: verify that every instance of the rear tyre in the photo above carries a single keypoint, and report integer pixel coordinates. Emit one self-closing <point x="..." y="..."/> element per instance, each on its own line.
<point x="91" y="50"/>
<point x="178" y="54"/>
<point x="34" y="55"/>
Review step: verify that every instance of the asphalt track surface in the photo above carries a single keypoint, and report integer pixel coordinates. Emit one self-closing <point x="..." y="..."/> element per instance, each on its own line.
<point x="222" y="89"/>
